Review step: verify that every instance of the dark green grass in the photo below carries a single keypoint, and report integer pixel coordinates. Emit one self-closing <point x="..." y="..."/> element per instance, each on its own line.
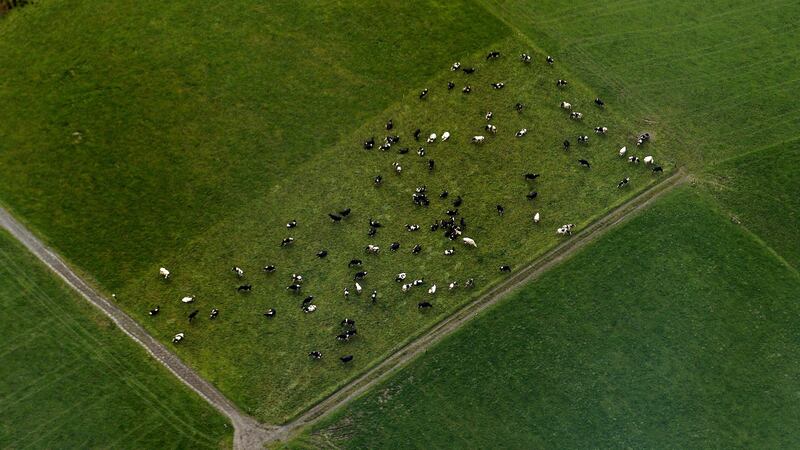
<point x="678" y="329"/>
<point x="761" y="190"/>
<point x="190" y="109"/>
<point x="719" y="77"/>
<point x="71" y="379"/>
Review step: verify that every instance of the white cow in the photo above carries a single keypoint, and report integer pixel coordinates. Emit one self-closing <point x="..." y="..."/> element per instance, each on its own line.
<point x="188" y="299"/>
<point x="622" y="151"/>
<point x="445" y="135"/>
<point x="432" y="290"/>
<point x="469" y="241"/>
<point x="536" y="218"/>
<point x="649" y="160"/>
<point x="565" y="105"/>
<point x="358" y="288"/>
<point x="478" y="139"/>
<point x="163" y="272"/>
<point x="432" y="138"/>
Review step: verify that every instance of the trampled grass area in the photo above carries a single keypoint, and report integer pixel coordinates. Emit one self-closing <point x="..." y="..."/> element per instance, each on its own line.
<point x="71" y="379"/>
<point x="676" y="329"/>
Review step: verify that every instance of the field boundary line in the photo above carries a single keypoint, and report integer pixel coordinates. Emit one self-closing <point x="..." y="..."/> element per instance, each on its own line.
<point x="248" y="433"/>
<point x="466" y="313"/>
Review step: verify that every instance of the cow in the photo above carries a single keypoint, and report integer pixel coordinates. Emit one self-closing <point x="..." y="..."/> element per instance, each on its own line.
<point x="374" y="296"/>
<point x="238" y="272"/>
<point x="519" y="107"/>
<point x="389" y="125"/>
<point x="358" y="288"/>
<point x="445" y="135"/>
<point x="421" y="152"/>
<point x="434" y="226"/>
<point x="584" y="163"/>
<point x="374" y="223"/>
<point x="154" y="311"/>
<point x="269" y="268"/>
<point x="536" y="218"/>
<point x="270" y="313"/>
<point x="526" y="58"/>
<point x="372" y="249"/>
<point x="565" y="105"/>
<point x="432" y="289"/>
<point x="431" y="138"/>
<point x="583" y="139"/>
<point x="452" y="285"/>
<point x="348" y="322"/>
<point x="561" y="83"/>
<point x="469" y="283"/>
<point x="193" y="314"/>
<point x="406" y="287"/>
<point x="398" y="169"/>
<point x="214" y="313"/>
<point x="188" y="299"/>
<point x="400" y="277"/>
<point x="360" y="275"/>
<point x="657" y="169"/>
<point x="624" y="182"/>
<point x="402" y="151"/>
<point x="469" y="241"/>
<point x="478" y="139"/>
<point x="294" y="288"/>
<point x="346" y="358"/>
<point x="450" y="85"/>
<point x="500" y="210"/>
<point x="498" y="85"/>
<point x="505" y="268"/>
<point x="417" y="248"/>
<point x="468" y="70"/>
<point x="178" y="337"/>
<point x="633" y="159"/>
<point x="649" y="160"/>
<point x="378" y="180"/>
<point x="412" y="227"/>
<point x="599" y="102"/>
<point x="309" y="308"/>
<point x="315" y="355"/>
<point x="521" y="132"/>
<point x="488" y="116"/>
<point x="372" y="232"/>
<point x="491" y="128"/>
<point x="297" y="278"/>
<point x="308" y="300"/>
<point x="493" y="55"/>
<point x="565" y="144"/>
<point x="291" y="224"/>
<point x="416" y="134"/>
<point x="600" y="130"/>
<point x="394" y="246"/>
<point x="354" y="263"/>
<point x="622" y="151"/>
<point x="423" y="93"/>
<point x="163" y="272"/>
<point x="345" y="212"/>
<point x="531" y="176"/>
<point x="335" y="217"/>
<point x="449" y="252"/>
<point x="424" y="305"/>
<point x="322" y="253"/>
<point x="431" y="164"/>
<point x="369" y="143"/>
<point x="346" y="293"/>
<point x="467" y="89"/>
<point x="455" y="66"/>
<point x="457" y="202"/>
<point x="549" y="60"/>
<point x="287" y="241"/>
<point x="575" y="115"/>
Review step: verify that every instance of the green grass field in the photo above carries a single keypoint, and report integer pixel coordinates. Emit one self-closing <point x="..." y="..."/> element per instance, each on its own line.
<point x="71" y="379"/>
<point x="676" y="329"/>
<point x="202" y="172"/>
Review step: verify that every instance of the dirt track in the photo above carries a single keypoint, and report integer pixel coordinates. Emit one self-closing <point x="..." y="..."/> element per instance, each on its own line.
<point x="249" y="434"/>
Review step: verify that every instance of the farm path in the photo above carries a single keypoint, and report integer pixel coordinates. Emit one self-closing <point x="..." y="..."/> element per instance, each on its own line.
<point x="248" y="433"/>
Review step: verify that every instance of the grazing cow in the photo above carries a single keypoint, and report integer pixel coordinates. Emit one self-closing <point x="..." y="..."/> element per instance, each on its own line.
<point x="498" y="85"/>
<point x="584" y="163"/>
<point x="550" y="60"/>
<point x="600" y="130"/>
<point x="163" y="272"/>
<point x="467" y="89"/>
<point x="583" y="139"/>
<point x="469" y="283"/>
<point x="575" y="115"/>
<point x="432" y="289"/>
<point x="521" y="132"/>
<point x="622" y="151"/>
<point x="649" y="160"/>
<point x="488" y="115"/>
<point x="478" y="139"/>
<point x="469" y="241"/>
<point x="374" y="296"/>
<point x="346" y="358"/>
<point x="309" y="308"/>
<point x="423" y="93"/>
<point x="449" y="252"/>
<point x="244" y="288"/>
<point x="154" y="311"/>
<point x="519" y="107"/>
<point x="389" y="125"/>
<point x="360" y="275"/>
<point x="416" y="134"/>
<point x="270" y="313"/>
<point x="457" y="202"/>
<point x="526" y="58"/>
<point x="561" y="83"/>
<point x="623" y="182"/>
<point x="412" y="227"/>
<point x="421" y="152"/>
<point x="291" y="224"/>
<point x="469" y="70"/>
<point x="599" y="102"/>
<point x="445" y="135"/>
<point x="431" y="138"/>
<point x="238" y="271"/>
<point x="500" y="210"/>
<point x="358" y="288"/>
<point x="188" y="299"/>
<point x="491" y="128"/>
<point x="633" y="159"/>
<point x="566" y="145"/>
<point x="287" y="241"/>
<point x="354" y="263"/>
<point x="505" y="268"/>
<point x="373" y="249"/>
<point x="455" y="66"/>
<point x="400" y="277"/>
<point x="377" y="180"/>
<point x="322" y="253"/>
<point x="395" y="246"/>
<point x="294" y="288"/>
<point x="315" y="355"/>
<point x="369" y="143"/>
<point x="532" y="195"/>
<point x="431" y="164"/>
<point x="531" y="176"/>
<point x="214" y="314"/>
<point x="657" y="169"/>
<point x="450" y="85"/>
<point x="493" y="55"/>
<point x="348" y="322"/>
<point x="536" y="218"/>
<point x="565" y="105"/>
<point x="417" y="248"/>
<point x="178" y="337"/>
<point x="193" y="314"/>
<point x="424" y="305"/>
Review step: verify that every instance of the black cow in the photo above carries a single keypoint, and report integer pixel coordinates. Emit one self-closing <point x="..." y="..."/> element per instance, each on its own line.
<point x="322" y="253"/>
<point x="348" y="322"/>
<point x="374" y="295"/>
<point x="154" y="311"/>
<point x="269" y="269"/>
<point x="450" y="85"/>
<point x="308" y="300"/>
<point x="505" y="268"/>
<point x="270" y="313"/>
<point x="531" y="176"/>
<point x="585" y="163"/>
<point x="377" y="180"/>
<point x="623" y="182"/>
<point x="431" y="164"/>
<point x="550" y="60"/>
<point x="500" y="210"/>
<point x="354" y="262"/>
<point x="360" y="275"/>
<point x="417" y="248"/>
<point x="599" y="102"/>
<point x="294" y="288"/>
<point x="193" y="314"/>
<point x="402" y="151"/>
<point x="519" y="107"/>
<point x="657" y="169"/>
<point x="372" y="232"/>
<point x="566" y="144"/>
<point x="493" y="55"/>
<point x="369" y="143"/>
<point x="395" y="246"/>
<point x="423" y="93"/>
<point x="561" y="83"/>
<point x="444" y="194"/>
<point x="457" y="202"/>
<point x="374" y="223"/>
<point x="346" y="358"/>
<point x="291" y="224"/>
<point x="315" y="355"/>
<point x="345" y="212"/>
<point x="467" y="89"/>
<point x="416" y="134"/>
<point x="245" y="288"/>
<point x="532" y="195"/>
<point x="389" y="125"/>
<point x="468" y="70"/>
<point x="424" y="305"/>
<point x="287" y="241"/>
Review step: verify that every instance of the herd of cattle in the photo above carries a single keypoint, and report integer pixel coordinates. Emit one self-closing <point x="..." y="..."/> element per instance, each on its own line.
<point x="452" y="223"/>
